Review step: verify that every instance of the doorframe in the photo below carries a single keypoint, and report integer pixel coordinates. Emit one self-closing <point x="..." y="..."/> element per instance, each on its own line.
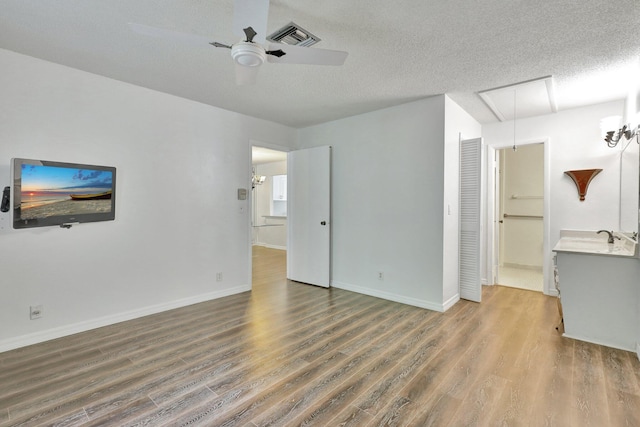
<point x="491" y="214"/>
<point x="262" y="144"/>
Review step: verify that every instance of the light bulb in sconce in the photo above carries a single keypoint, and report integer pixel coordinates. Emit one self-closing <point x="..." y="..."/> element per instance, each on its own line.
<point x="612" y="132"/>
<point x="609" y="123"/>
<point x="631" y="113"/>
<point x="626" y="132"/>
<point x="632" y="101"/>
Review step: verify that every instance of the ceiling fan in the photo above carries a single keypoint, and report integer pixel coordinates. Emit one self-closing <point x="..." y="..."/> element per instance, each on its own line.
<point x="250" y="22"/>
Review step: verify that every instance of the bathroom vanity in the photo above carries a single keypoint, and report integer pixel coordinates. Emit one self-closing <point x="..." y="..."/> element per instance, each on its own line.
<point x="600" y="287"/>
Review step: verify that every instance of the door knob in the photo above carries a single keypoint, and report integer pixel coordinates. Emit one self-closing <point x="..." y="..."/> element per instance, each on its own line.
<point x="323" y="222"/>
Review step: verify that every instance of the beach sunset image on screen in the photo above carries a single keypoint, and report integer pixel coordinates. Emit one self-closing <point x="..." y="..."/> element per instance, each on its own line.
<point x="51" y="190"/>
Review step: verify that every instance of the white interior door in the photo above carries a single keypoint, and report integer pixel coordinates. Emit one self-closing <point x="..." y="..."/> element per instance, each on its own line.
<point x="492" y="220"/>
<point x="496" y="219"/>
<point x="470" y="204"/>
<point x="309" y="216"/>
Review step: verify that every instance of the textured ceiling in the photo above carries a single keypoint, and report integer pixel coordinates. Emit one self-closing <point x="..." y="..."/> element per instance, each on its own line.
<point x="398" y="51"/>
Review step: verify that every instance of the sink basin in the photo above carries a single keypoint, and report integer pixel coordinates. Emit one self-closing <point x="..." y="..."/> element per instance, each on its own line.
<point x="594" y="243"/>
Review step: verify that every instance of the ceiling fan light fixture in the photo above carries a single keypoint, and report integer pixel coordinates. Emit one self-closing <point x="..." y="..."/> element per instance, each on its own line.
<point x="248" y="54"/>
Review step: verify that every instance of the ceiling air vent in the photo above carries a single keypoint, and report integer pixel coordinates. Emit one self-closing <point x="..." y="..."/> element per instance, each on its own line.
<point x="292" y="34"/>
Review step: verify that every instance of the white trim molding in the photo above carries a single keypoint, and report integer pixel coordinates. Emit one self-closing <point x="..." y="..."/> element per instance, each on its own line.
<point x="266" y="245"/>
<point x="450" y="302"/>
<point x="599" y="342"/>
<point x="429" y="305"/>
<point x="62" y="331"/>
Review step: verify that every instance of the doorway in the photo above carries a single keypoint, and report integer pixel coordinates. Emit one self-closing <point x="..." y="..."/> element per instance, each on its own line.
<point x="291" y="209"/>
<point x="269" y="198"/>
<point x="519" y="207"/>
<point x="268" y="220"/>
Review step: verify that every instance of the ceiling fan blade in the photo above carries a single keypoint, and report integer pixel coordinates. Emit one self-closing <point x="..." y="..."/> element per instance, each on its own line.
<point x="306" y="55"/>
<point x="191" y="39"/>
<point x="251" y="13"/>
<point x="277" y="53"/>
<point x="250" y="33"/>
<point x="216" y="44"/>
<point x="246" y="75"/>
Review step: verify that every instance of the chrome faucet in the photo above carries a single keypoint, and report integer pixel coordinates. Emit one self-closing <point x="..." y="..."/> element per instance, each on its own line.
<point x="611" y="236"/>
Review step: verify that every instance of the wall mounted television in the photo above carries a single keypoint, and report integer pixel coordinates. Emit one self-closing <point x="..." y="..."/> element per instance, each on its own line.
<point x="47" y="193"/>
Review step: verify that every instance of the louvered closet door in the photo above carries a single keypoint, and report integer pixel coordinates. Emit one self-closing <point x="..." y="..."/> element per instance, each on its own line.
<point x="470" y="185"/>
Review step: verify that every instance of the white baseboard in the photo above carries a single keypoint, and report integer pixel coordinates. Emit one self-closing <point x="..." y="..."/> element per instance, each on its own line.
<point x="266" y="245"/>
<point x="522" y="266"/>
<point x="49" y="334"/>
<point x="599" y="342"/>
<point x="389" y="296"/>
<point x="638" y="350"/>
<point x="450" y="302"/>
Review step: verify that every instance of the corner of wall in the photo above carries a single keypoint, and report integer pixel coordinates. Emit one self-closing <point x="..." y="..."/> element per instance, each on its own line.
<point x="450" y="302"/>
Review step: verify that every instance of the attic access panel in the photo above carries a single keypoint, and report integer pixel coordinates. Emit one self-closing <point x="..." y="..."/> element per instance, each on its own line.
<point x="530" y="98"/>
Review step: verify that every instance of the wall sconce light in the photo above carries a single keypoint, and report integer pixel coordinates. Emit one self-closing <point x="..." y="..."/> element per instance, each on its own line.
<point x="631" y="129"/>
<point x="256" y="179"/>
<point x="627" y="131"/>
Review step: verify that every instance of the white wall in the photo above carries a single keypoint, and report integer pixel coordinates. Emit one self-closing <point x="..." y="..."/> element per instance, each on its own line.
<point x="388" y="175"/>
<point x="178" y="220"/>
<point x="575" y="142"/>
<point x="269" y="236"/>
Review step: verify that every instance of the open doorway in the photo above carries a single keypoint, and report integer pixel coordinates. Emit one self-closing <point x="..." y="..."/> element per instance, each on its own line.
<point x="268" y="204"/>
<point x="291" y="210"/>
<point x="519" y="208"/>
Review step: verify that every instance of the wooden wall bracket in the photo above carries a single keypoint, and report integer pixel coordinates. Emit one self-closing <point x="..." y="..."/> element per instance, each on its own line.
<point x="582" y="178"/>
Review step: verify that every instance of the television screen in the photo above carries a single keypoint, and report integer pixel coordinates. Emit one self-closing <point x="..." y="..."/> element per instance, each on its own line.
<point x="54" y="193"/>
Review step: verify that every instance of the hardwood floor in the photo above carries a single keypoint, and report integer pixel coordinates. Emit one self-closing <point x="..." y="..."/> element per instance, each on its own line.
<point x="291" y="354"/>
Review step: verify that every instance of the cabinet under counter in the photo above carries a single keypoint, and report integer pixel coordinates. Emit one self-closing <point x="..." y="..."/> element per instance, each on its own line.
<point x="600" y="298"/>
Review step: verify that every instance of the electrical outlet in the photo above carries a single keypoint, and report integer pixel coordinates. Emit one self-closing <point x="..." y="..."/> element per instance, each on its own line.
<point x="218" y="277"/>
<point x="35" y="312"/>
<point x="380" y="275"/>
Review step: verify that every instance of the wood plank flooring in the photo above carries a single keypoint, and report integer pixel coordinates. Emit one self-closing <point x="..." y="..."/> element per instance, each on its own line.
<point x="289" y="354"/>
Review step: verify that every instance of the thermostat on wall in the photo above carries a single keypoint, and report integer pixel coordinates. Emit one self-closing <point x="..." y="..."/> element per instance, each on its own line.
<point x="242" y="194"/>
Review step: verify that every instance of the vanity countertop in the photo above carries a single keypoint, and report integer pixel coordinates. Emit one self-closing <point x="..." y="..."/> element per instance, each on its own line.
<point x="590" y="242"/>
